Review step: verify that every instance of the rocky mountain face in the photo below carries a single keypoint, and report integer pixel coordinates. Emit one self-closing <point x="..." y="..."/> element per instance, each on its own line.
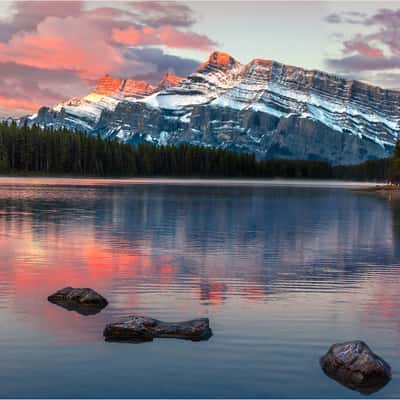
<point x="109" y="86"/>
<point x="169" y="80"/>
<point x="265" y="107"/>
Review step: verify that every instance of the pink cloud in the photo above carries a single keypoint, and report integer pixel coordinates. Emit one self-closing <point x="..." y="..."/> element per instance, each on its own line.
<point x="362" y="47"/>
<point x="67" y="43"/>
<point x="174" y="38"/>
<point x="166" y="35"/>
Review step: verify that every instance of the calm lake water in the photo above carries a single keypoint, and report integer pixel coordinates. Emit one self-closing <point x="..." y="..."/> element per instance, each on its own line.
<point x="282" y="271"/>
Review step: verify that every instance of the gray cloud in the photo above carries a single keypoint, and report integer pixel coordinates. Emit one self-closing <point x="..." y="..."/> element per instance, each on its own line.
<point x="334" y="18"/>
<point x="348" y="17"/>
<point x="21" y="81"/>
<point x="28" y="14"/>
<point x="151" y="64"/>
<point x="363" y="63"/>
<point x="159" y="13"/>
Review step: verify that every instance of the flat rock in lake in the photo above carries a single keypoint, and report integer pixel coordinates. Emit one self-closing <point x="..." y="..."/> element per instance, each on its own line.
<point x="85" y="301"/>
<point x="355" y="366"/>
<point x="143" y="329"/>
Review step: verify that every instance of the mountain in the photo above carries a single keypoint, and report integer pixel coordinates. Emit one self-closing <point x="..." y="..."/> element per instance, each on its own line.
<point x="109" y="86"/>
<point x="265" y="107"/>
<point x="169" y="80"/>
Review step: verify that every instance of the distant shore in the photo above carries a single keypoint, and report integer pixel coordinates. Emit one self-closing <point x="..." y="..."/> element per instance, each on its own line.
<point x="381" y="189"/>
<point x="210" y="181"/>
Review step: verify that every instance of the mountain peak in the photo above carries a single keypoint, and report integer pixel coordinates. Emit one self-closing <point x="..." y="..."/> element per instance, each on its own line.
<point x="132" y="87"/>
<point x="221" y="58"/>
<point x="169" y="79"/>
<point x="108" y="86"/>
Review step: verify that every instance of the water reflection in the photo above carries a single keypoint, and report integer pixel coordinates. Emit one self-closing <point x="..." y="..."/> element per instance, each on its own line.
<point x="257" y="260"/>
<point x="395" y="208"/>
<point x="220" y="242"/>
<point x="163" y="235"/>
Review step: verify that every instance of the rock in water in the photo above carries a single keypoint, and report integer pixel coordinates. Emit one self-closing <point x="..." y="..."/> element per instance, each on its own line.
<point x="143" y="329"/>
<point x="85" y="301"/>
<point x="355" y="366"/>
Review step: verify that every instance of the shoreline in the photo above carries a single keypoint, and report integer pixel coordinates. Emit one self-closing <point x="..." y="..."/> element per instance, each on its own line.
<point x="386" y="190"/>
<point x="196" y="181"/>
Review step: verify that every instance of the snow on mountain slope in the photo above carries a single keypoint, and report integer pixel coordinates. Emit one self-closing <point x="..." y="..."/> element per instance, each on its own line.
<point x="265" y="107"/>
<point x="218" y="74"/>
<point x="84" y="113"/>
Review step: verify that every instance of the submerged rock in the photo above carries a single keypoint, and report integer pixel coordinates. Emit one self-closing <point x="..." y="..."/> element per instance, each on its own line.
<point x="355" y="366"/>
<point x="143" y="329"/>
<point x="85" y="301"/>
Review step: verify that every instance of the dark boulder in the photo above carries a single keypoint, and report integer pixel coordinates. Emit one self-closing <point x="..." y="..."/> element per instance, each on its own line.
<point x="143" y="329"/>
<point x="85" y="301"/>
<point x="355" y="366"/>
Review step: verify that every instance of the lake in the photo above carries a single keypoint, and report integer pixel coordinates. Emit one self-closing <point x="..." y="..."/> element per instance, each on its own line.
<point x="281" y="269"/>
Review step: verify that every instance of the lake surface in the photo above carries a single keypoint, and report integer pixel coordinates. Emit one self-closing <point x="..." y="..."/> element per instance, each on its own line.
<point x="281" y="270"/>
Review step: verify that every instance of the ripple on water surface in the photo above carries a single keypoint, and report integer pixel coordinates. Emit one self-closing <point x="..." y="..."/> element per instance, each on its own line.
<point x="281" y="271"/>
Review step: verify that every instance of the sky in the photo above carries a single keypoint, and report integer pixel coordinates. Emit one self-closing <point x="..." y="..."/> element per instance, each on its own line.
<point x="54" y="50"/>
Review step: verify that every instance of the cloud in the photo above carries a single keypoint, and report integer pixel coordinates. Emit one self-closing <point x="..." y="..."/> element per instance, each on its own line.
<point x="160" y="13"/>
<point x="334" y="18"/>
<point x="385" y="21"/>
<point x="25" y="88"/>
<point x="66" y="44"/>
<point x="358" y="45"/>
<point x="28" y="14"/>
<point x="376" y="50"/>
<point x="150" y="64"/>
<point x="165" y="35"/>
<point x="363" y="63"/>
<point x="384" y="16"/>
<point x="69" y="39"/>
<point x="348" y="17"/>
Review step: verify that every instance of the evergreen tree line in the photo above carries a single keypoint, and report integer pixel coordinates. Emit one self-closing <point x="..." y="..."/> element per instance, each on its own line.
<point x="372" y="170"/>
<point x="394" y="167"/>
<point x="34" y="150"/>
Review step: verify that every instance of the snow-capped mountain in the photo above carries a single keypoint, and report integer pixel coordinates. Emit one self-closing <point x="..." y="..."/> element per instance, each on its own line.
<point x="265" y="107"/>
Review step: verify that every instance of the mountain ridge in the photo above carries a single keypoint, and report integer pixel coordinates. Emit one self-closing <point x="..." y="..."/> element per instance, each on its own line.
<point x="266" y="107"/>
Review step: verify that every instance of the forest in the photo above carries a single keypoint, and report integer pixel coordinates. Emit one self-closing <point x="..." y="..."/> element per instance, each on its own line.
<point x="35" y="151"/>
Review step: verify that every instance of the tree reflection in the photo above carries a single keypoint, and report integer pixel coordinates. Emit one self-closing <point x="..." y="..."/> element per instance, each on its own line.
<point x="395" y="208"/>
